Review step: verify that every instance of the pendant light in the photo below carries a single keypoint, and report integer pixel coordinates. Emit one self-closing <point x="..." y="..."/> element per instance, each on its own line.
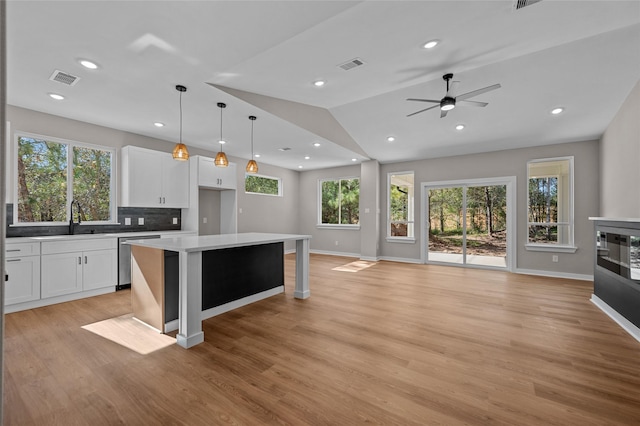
<point x="221" y="158"/>
<point x="180" y="151"/>
<point x="252" y="166"/>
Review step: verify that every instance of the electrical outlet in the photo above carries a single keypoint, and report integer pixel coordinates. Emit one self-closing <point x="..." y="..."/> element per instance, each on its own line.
<point x="141" y="221"/>
<point x="336" y="242"/>
<point x="204" y="220"/>
<point x="240" y="210"/>
<point x="554" y="258"/>
<point x="175" y="220"/>
<point x="127" y="221"/>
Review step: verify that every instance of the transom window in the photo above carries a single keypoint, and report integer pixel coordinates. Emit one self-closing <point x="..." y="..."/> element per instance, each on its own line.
<point x="259" y="184"/>
<point x="51" y="173"/>
<point x="340" y="201"/>
<point x="401" y="205"/>
<point x="550" y="202"/>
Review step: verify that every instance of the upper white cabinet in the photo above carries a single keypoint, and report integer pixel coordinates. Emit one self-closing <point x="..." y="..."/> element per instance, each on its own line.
<point x="153" y="179"/>
<point x="210" y="176"/>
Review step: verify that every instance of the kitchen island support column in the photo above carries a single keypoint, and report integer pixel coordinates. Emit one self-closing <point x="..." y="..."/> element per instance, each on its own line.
<point x="302" y="269"/>
<point x="190" y="300"/>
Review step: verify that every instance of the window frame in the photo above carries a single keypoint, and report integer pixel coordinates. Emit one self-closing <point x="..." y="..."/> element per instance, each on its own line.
<point x="280" y="185"/>
<point x="113" y="196"/>
<point x="335" y="225"/>
<point x="568" y="247"/>
<point x="410" y="211"/>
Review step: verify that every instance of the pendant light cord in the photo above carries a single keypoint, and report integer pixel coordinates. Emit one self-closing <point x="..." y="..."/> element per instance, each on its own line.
<point x="252" y="139"/>
<point x="180" y="117"/>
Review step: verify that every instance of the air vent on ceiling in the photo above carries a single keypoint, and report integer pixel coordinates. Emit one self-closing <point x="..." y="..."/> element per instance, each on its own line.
<point x="519" y="4"/>
<point x="284" y="149"/>
<point x="356" y="62"/>
<point x="63" y="77"/>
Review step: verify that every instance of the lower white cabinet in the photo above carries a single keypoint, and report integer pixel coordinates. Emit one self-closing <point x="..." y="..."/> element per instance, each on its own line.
<point x="23" y="269"/>
<point x="92" y="264"/>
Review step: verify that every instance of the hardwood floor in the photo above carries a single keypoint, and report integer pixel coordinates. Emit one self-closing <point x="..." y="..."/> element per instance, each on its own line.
<point x="384" y="343"/>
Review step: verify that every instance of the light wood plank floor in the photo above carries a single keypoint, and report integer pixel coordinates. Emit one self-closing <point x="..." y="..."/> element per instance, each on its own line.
<point x="385" y="344"/>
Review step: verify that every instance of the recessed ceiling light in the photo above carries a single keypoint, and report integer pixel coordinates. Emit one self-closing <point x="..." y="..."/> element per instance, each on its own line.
<point x="56" y="96"/>
<point x="299" y="167"/>
<point x="430" y="44"/>
<point x="460" y="127"/>
<point x="317" y="144"/>
<point x="390" y="139"/>
<point x="257" y="155"/>
<point x="88" y="64"/>
<point x="222" y="142"/>
<point x="158" y="124"/>
<point x="319" y="83"/>
<point x="306" y="157"/>
<point x="354" y="159"/>
<point x="557" y="111"/>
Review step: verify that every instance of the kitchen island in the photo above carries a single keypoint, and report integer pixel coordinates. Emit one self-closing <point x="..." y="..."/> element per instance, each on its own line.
<point x="148" y="281"/>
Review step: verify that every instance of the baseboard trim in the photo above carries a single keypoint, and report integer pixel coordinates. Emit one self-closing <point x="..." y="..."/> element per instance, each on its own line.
<point x="400" y="259"/>
<point x="553" y="274"/>
<point x="335" y="253"/>
<point x="218" y="310"/>
<point x="369" y="258"/>
<point x="626" y="325"/>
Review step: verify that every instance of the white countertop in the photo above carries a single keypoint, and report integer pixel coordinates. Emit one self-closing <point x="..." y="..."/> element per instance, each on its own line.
<point x="215" y="242"/>
<point x="63" y="237"/>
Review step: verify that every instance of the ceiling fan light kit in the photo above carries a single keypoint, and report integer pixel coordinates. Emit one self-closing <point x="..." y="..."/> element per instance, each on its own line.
<point x="450" y="100"/>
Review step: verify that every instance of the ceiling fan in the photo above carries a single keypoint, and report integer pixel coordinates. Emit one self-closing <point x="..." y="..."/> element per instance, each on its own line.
<point x="450" y="100"/>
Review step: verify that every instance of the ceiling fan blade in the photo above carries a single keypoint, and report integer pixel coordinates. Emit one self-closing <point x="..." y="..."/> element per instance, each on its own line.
<point x="423" y="110"/>
<point x="474" y="103"/>
<point x="452" y="89"/>
<point x="443" y="113"/>
<point x="424" y="100"/>
<point x="477" y="92"/>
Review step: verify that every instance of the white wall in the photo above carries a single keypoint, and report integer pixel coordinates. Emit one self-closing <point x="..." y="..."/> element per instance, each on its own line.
<point x="620" y="161"/>
<point x="494" y="164"/>
<point x="348" y="241"/>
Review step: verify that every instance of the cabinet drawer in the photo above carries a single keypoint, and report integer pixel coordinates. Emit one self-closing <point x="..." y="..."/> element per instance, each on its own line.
<point x="21" y="249"/>
<point x="53" y="247"/>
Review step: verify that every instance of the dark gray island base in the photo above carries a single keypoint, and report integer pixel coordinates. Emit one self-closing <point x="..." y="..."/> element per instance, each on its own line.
<point x="214" y="274"/>
<point x="227" y="275"/>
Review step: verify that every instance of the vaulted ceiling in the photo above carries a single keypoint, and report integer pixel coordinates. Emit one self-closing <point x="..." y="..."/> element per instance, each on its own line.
<point x="262" y="57"/>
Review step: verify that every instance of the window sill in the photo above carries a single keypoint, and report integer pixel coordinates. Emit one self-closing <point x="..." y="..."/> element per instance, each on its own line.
<point x="551" y="248"/>
<point x="402" y="240"/>
<point x="343" y="227"/>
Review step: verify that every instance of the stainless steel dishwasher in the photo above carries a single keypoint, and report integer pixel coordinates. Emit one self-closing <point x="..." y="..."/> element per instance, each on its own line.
<point x="124" y="260"/>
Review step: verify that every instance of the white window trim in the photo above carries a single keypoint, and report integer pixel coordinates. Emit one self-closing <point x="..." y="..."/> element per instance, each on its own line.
<point x="113" y="208"/>
<point x="319" y="223"/>
<point x="555" y="247"/>
<point x="396" y="239"/>
<point x="280" y="185"/>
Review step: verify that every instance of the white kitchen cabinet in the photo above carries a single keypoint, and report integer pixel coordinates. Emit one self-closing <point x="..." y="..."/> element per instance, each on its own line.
<point x="23" y="269"/>
<point x="75" y="266"/>
<point x="210" y="176"/>
<point x="153" y="179"/>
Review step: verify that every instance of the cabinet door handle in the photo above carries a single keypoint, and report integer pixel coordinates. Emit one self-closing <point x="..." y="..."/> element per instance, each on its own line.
<point x="159" y="200"/>
<point x="163" y="201"/>
<point x="13" y="260"/>
<point x="12" y="250"/>
<point x="79" y="260"/>
<point x="85" y="260"/>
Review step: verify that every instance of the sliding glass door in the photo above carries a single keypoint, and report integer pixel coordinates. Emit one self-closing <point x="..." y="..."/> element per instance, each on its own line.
<point x="468" y="223"/>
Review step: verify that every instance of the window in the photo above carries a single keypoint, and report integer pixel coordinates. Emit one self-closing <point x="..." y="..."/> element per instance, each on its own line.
<point x="51" y="173"/>
<point x="257" y="184"/>
<point x="400" y="214"/>
<point x="550" y="203"/>
<point x="340" y="203"/>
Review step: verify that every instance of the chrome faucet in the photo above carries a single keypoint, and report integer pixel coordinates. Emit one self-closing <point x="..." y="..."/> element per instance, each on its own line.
<point x="73" y="224"/>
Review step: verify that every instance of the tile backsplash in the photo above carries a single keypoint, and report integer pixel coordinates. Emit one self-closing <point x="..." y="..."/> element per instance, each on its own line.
<point x="155" y="219"/>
